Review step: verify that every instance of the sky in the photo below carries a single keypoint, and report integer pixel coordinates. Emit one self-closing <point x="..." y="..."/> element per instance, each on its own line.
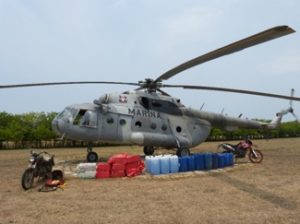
<point x="128" y="41"/>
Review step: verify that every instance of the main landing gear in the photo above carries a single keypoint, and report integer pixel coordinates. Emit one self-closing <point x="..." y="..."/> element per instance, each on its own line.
<point x="183" y="151"/>
<point x="149" y="150"/>
<point x="92" y="157"/>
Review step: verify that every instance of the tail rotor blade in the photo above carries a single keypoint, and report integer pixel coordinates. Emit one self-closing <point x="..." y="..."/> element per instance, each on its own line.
<point x="296" y="117"/>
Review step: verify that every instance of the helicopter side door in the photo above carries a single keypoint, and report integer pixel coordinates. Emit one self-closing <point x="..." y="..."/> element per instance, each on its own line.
<point x="124" y="128"/>
<point x="109" y="127"/>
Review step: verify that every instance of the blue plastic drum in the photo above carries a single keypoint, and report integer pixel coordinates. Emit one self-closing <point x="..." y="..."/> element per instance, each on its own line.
<point x="214" y="161"/>
<point x="199" y="161"/>
<point x="221" y="158"/>
<point x="208" y="161"/>
<point x="191" y="163"/>
<point x="154" y="166"/>
<point x="183" y="164"/>
<point x="164" y="164"/>
<point x="174" y="164"/>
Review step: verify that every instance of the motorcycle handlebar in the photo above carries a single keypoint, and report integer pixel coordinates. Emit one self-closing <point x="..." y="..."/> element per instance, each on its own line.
<point x="43" y="152"/>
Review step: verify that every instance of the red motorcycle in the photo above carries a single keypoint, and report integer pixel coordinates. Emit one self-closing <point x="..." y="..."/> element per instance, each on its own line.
<point x="242" y="149"/>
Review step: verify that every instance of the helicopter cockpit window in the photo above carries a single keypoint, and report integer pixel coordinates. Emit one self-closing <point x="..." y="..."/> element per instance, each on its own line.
<point x="67" y="114"/>
<point x="86" y="118"/>
<point x="165" y="106"/>
<point x="144" y="101"/>
<point x="156" y="104"/>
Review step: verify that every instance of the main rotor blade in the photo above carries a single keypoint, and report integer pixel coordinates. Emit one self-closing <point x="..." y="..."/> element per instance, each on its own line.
<point x="258" y="38"/>
<point x="64" y="83"/>
<point x="234" y="91"/>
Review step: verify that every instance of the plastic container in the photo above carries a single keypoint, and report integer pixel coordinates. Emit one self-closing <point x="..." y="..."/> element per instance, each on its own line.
<point x="208" y="161"/>
<point x="228" y="160"/>
<point x="174" y="164"/>
<point x="154" y="165"/>
<point x="148" y="163"/>
<point x="231" y="159"/>
<point x="183" y="164"/>
<point x="164" y="164"/>
<point x="221" y="158"/>
<point x="191" y="163"/>
<point x="83" y="167"/>
<point x="87" y="174"/>
<point x="199" y="161"/>
<point x="214" y="161"/>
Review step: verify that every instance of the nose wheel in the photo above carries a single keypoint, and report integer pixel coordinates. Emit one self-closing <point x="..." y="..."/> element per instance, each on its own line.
<point x="92" y="157"/>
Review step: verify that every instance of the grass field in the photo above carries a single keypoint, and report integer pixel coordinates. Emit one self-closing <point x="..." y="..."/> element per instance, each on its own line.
<point x="264" y="193"/>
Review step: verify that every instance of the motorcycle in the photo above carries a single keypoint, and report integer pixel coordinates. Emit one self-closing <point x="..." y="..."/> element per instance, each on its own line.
<point x="242" y="149"/>
<point x="40" y="166"/>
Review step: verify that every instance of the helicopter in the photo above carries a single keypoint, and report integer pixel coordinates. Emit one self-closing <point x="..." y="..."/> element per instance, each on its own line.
<point x="150" y="117"/>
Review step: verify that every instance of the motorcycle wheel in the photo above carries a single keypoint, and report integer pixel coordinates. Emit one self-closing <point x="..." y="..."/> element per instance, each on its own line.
<point x="27" y="178"/>
<point x="258" y="158"/>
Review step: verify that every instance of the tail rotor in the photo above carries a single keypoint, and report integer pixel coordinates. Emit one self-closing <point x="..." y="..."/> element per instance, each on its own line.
<point x="291" y="109"/>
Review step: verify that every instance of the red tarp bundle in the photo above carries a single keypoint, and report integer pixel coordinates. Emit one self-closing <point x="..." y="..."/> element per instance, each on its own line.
<point x="121" y="165"/>
<point x="103" y="170"/>
<point x="134" y="166"/>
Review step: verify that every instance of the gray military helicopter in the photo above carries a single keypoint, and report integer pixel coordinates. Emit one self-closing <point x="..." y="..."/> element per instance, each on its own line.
<point x="150" y="117"/>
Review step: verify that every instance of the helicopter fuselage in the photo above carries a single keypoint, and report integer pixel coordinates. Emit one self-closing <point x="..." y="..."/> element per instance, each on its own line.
<point x="142" y="118"/>
<point x="133" y="118"/>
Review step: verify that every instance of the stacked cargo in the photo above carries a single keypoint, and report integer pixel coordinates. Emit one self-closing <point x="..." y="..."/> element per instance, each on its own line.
<point x="86" y="170"/>
<point x="162" y="164"/>
<point x="103" y="170"/>
<point x="117" y="163"/>
<point x="121" y="165"/>
<point x="156" y="165"/>
<point x="134" y="166"/>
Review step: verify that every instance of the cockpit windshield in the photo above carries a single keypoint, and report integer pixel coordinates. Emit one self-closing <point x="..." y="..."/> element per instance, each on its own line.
<point x="81" y="117"/>
<point x="68" y="113"/>
<point x="86" y="118"/>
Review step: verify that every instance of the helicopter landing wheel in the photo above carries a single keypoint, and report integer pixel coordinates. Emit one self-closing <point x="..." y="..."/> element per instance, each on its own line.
<point x="148" y="150"/>
<point x="92" y="157"/>
<point x="183" y="152"/>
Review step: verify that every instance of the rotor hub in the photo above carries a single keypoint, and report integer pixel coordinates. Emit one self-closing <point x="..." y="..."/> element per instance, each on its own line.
<point x="150" y="84"/>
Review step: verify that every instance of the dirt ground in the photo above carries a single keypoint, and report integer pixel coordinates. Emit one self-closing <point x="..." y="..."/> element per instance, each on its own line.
<point x="264" y="193"/>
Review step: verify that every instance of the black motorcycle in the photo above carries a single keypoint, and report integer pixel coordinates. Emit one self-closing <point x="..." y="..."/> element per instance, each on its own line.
<point x="40" y="166"/>
<point x="242" y="149"/>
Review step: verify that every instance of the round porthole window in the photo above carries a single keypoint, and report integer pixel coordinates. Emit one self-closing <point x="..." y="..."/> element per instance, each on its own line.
<point x="153" y="126"/>
<point x="138" y="124"/>
<point x="122" y="122"/>
<point x="110" y="120"/>
<point x="178" y="129"/>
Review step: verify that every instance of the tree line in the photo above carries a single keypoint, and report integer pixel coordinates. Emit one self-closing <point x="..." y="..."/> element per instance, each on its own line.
<point x="34" y="130"/>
